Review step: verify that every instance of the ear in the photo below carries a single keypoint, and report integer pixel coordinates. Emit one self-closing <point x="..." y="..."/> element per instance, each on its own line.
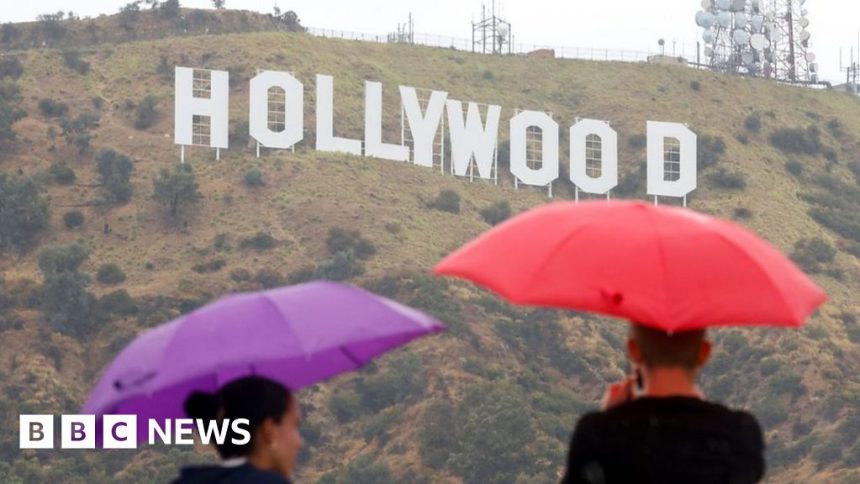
<point x="704" y="353"/>
<point x="634" y="352"/>
<point x="267" y="431"/>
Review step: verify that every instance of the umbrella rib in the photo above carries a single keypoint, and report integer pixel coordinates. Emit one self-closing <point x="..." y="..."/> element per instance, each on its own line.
<point x="284" y="318"/>
<point x="352" y="357"/>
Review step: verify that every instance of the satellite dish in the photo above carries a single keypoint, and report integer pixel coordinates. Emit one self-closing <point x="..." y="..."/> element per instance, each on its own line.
<point x="804" y="22"/>
<point x="758" y="41"/>
<point x="804" y="12"/>
<point x="747" y="57"/>
<point x="813" y="67"/>
<point x="757" y="22"/>
<point x="705" y="19"/>
<point x="724" y="4"/>
<point x="740" y="37"/>
<point x="707" y="4"/>
<point x="740" y="20"/>
<point x="724" y="19"/>
<point x="709" y="52"/>
<point x="775" y="35"/>
<point x="708" y="36"/>
<point x="739" y="5"/>
<point x="804" y="35"/>
<point x="810" y="57"/>
<point x="502" y="31"/>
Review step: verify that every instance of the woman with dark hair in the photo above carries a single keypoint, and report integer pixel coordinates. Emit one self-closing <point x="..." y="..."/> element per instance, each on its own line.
<point x="273" y="422"/>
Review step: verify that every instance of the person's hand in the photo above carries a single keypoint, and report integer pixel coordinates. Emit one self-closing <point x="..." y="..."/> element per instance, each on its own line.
<point x="618" y="393"/>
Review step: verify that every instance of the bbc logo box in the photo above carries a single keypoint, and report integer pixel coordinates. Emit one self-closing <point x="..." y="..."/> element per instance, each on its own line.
<point x="78" y="431"/>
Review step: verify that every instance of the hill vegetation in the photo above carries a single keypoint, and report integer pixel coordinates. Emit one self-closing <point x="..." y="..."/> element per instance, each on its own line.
<point x="103" y="235"/>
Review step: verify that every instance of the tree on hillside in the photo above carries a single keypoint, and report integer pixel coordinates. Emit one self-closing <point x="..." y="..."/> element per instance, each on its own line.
<point x="23" y="211"/>
<point x="176" y="188"/>
<point x="219" y="4"/>
<point x="10" y="113"/>
<point x="66" y="304"/>
<point x="115" y="170"/>
<point x="169" y="8"/>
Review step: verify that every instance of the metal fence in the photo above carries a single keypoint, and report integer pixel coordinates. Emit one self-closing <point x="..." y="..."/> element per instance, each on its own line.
<point x="458" y="43"/>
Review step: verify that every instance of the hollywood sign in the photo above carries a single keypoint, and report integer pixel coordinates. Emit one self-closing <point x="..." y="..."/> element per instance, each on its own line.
<point x="671" y="147"/>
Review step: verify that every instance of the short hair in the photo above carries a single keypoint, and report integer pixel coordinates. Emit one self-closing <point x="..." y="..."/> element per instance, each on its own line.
<point x="254" y="398"/>
<point x="662" y="349"/>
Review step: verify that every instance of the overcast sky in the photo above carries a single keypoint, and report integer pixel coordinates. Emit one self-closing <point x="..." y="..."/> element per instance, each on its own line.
<point x="621" y="24"/>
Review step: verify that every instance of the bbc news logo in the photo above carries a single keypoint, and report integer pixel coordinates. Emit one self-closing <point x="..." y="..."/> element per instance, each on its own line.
<point x="121" y="432"/>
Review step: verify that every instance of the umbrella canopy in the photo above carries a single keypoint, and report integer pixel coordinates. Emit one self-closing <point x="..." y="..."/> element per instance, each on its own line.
<point x="297" y="336"/>
<point x="664" y="267"/>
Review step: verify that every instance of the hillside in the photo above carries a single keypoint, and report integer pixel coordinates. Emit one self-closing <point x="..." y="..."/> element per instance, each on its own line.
<point x="493" y="400"/>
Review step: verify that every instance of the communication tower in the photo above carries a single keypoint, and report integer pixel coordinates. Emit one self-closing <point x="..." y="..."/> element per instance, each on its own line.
<point x="492" y="34"/>
<point x="767" y="38"/>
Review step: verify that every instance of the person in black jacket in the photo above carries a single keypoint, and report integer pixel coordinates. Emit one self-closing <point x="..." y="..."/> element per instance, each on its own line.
<point x="656" y="427"/>
<point x="273" y="422"/>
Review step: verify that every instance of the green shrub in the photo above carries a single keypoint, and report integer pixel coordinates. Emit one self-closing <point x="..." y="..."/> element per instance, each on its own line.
<point x="811" y="254"/>
<point x="10" y="66"/>
<point x="176" y="188"/>
<point x="61" y="173"/>
<point x="366" y="470"/>
<point x="73" y="61"/>
<point x="488" y="75"/>
<point x="742" y="213"/>
<point x="345" y="405"/>
<point x="726" y="180"/>
<point x="742" y="138"/>
<point x="222" y="243"/>
<point x="784" y="383"/>
<point x="110" y="274"/>
<point x="260" y="241"/>
<point x="66" y="304"/>
<point x="828" y="452"/>
<point x="447" y="201"/>
<point x="339" y="267"/>
<point x="437" y="440"/>
<point x="116" y="303"/>
<point x="115" y="170"/>
<point x="77" y="131"/>
<point x="638" y="141"/>
<point x="210" y="266"/>
<point x="404" y="380"/>
<point x="379" y="427"/>
<point x="269" y="278"/>
<point x="794" y="167"/>
<point x="145" y="113"/>
<point x="752" y="123"/>
<point x="342" y="240"/>
<point x="835" y="127"/>
<point x="771" y="412"/>
<point x="52" y="109"/>
<point x="496" y="213"/>
<point x="254" y="177"/>
<point x="23" y="211"/>
<point x="709" y="150"/>
<point x="695" y="85"/>
<point x="169" y="9"/>
<point x="797" y="141"/>
<point x="73" y="219"/>
<point x="240" y="275"/>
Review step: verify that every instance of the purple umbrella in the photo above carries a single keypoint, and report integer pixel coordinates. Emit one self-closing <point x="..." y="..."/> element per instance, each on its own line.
<point x="297" y="335"/>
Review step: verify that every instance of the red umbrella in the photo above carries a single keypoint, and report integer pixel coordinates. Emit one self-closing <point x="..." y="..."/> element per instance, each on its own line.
<point x="664" y="267"/>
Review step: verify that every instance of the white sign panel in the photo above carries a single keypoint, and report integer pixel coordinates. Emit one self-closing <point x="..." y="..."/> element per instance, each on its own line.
<point x="548" y="172"/>
<point x="216" y="107"/>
